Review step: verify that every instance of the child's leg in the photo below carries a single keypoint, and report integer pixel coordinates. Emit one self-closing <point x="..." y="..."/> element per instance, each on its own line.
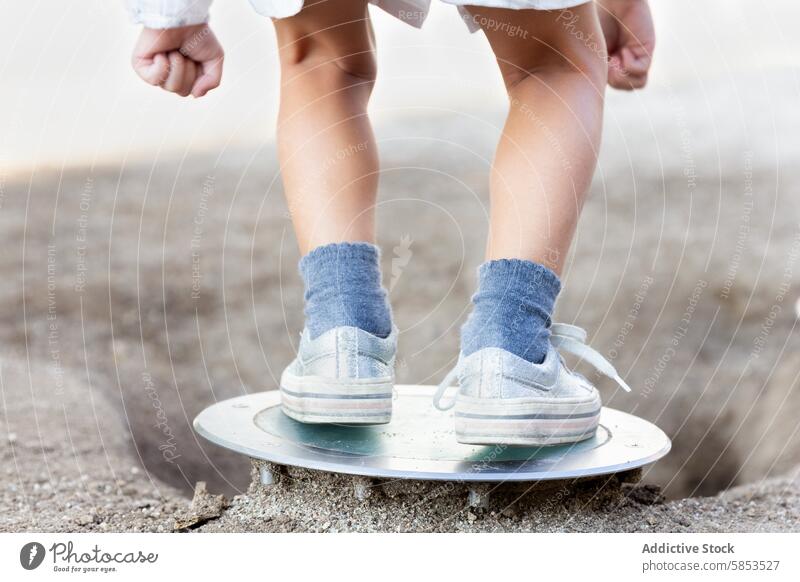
<point x="326" y="146"/>
<point x="555" y="76"/>
<point x="330" y="163"/>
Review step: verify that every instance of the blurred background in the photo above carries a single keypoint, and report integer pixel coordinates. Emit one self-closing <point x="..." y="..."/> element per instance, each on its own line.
<point x="148" y="266"/>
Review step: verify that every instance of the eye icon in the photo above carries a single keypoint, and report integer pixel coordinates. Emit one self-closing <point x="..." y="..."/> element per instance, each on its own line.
<point x="31" y="555"/>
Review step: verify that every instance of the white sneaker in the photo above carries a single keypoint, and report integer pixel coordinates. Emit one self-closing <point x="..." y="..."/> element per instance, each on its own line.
<point x="504" y="399"/>
<point x="345" y="376"/>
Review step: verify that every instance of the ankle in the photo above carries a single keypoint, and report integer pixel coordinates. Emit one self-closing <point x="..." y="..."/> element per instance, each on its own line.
<point x="343" y="288"/>
<point x="512" y="309"/>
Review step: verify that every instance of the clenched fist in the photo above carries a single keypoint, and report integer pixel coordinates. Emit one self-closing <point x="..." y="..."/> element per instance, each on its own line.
<point x="630" y="40"/>
<point x="185" y="60"/>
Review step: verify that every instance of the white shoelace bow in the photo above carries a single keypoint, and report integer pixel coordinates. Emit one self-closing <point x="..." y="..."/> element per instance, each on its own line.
<point x="564" y="337"/>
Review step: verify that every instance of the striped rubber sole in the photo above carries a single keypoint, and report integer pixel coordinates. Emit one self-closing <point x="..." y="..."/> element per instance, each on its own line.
<point x="525" y="421"/>
<point x="315" y="400"/>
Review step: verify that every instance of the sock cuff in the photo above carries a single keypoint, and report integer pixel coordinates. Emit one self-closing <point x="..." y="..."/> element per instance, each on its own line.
<point x="343" y="288"/>
<point x="341" y="251"/>
<point x="524" y="276"/>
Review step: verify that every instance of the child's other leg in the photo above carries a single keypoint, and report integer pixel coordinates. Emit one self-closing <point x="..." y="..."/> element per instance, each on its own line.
<point x="555" y="73"/>
<point x="555" y="76"/>
<point x="326" y="145"/>
<point x="330" y="164"/>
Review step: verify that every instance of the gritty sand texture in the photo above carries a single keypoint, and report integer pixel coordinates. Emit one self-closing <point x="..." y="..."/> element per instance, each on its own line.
<point x="205" y="507"/>
<point x="311" y="501"/>
<point x="134" y="296"/>
<point x="66" y="464"/>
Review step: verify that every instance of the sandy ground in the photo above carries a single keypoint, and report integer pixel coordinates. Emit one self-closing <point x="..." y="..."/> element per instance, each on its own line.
<point x="308" y="501"/>
<point x="67" y="466"/>
<point x="134" y="296"/>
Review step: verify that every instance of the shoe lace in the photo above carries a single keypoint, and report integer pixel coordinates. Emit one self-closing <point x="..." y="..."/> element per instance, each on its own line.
<point x="572" y="339"/>
<point x="444" y="385"/>
<point x="564" y="337"/>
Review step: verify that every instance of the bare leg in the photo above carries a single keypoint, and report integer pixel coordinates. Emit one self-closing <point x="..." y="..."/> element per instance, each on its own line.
<point x="325" y="142"/>
<point x="555" y="75"/>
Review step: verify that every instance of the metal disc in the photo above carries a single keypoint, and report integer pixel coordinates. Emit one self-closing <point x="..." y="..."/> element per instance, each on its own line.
<point x="419" y="443"/>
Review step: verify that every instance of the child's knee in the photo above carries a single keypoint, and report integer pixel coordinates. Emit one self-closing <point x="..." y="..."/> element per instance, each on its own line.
<point x="589" y="69"/>
<point x="345" y="49"/>
<point x="537" y="44"/>
<point x="311" y="52"/>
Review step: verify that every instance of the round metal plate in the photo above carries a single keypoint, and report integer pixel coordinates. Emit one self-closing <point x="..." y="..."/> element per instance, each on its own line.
<point x="419" y="443"/>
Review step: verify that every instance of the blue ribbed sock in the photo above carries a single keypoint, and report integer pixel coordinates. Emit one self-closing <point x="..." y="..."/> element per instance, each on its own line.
<point x="512" y="309"/>
<point x="343" y="287"/>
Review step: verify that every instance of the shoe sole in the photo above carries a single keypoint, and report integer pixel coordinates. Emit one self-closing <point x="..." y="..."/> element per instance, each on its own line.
<point x="525" y="421"/>
<point x="316" y="400"/>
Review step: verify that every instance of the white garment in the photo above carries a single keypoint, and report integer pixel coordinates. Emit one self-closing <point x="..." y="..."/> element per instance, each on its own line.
<point x="175" y="13"/>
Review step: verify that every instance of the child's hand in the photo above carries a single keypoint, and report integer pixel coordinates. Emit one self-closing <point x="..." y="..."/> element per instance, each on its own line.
<point x="630" y="40"/>
<point x="185" y="60"/>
